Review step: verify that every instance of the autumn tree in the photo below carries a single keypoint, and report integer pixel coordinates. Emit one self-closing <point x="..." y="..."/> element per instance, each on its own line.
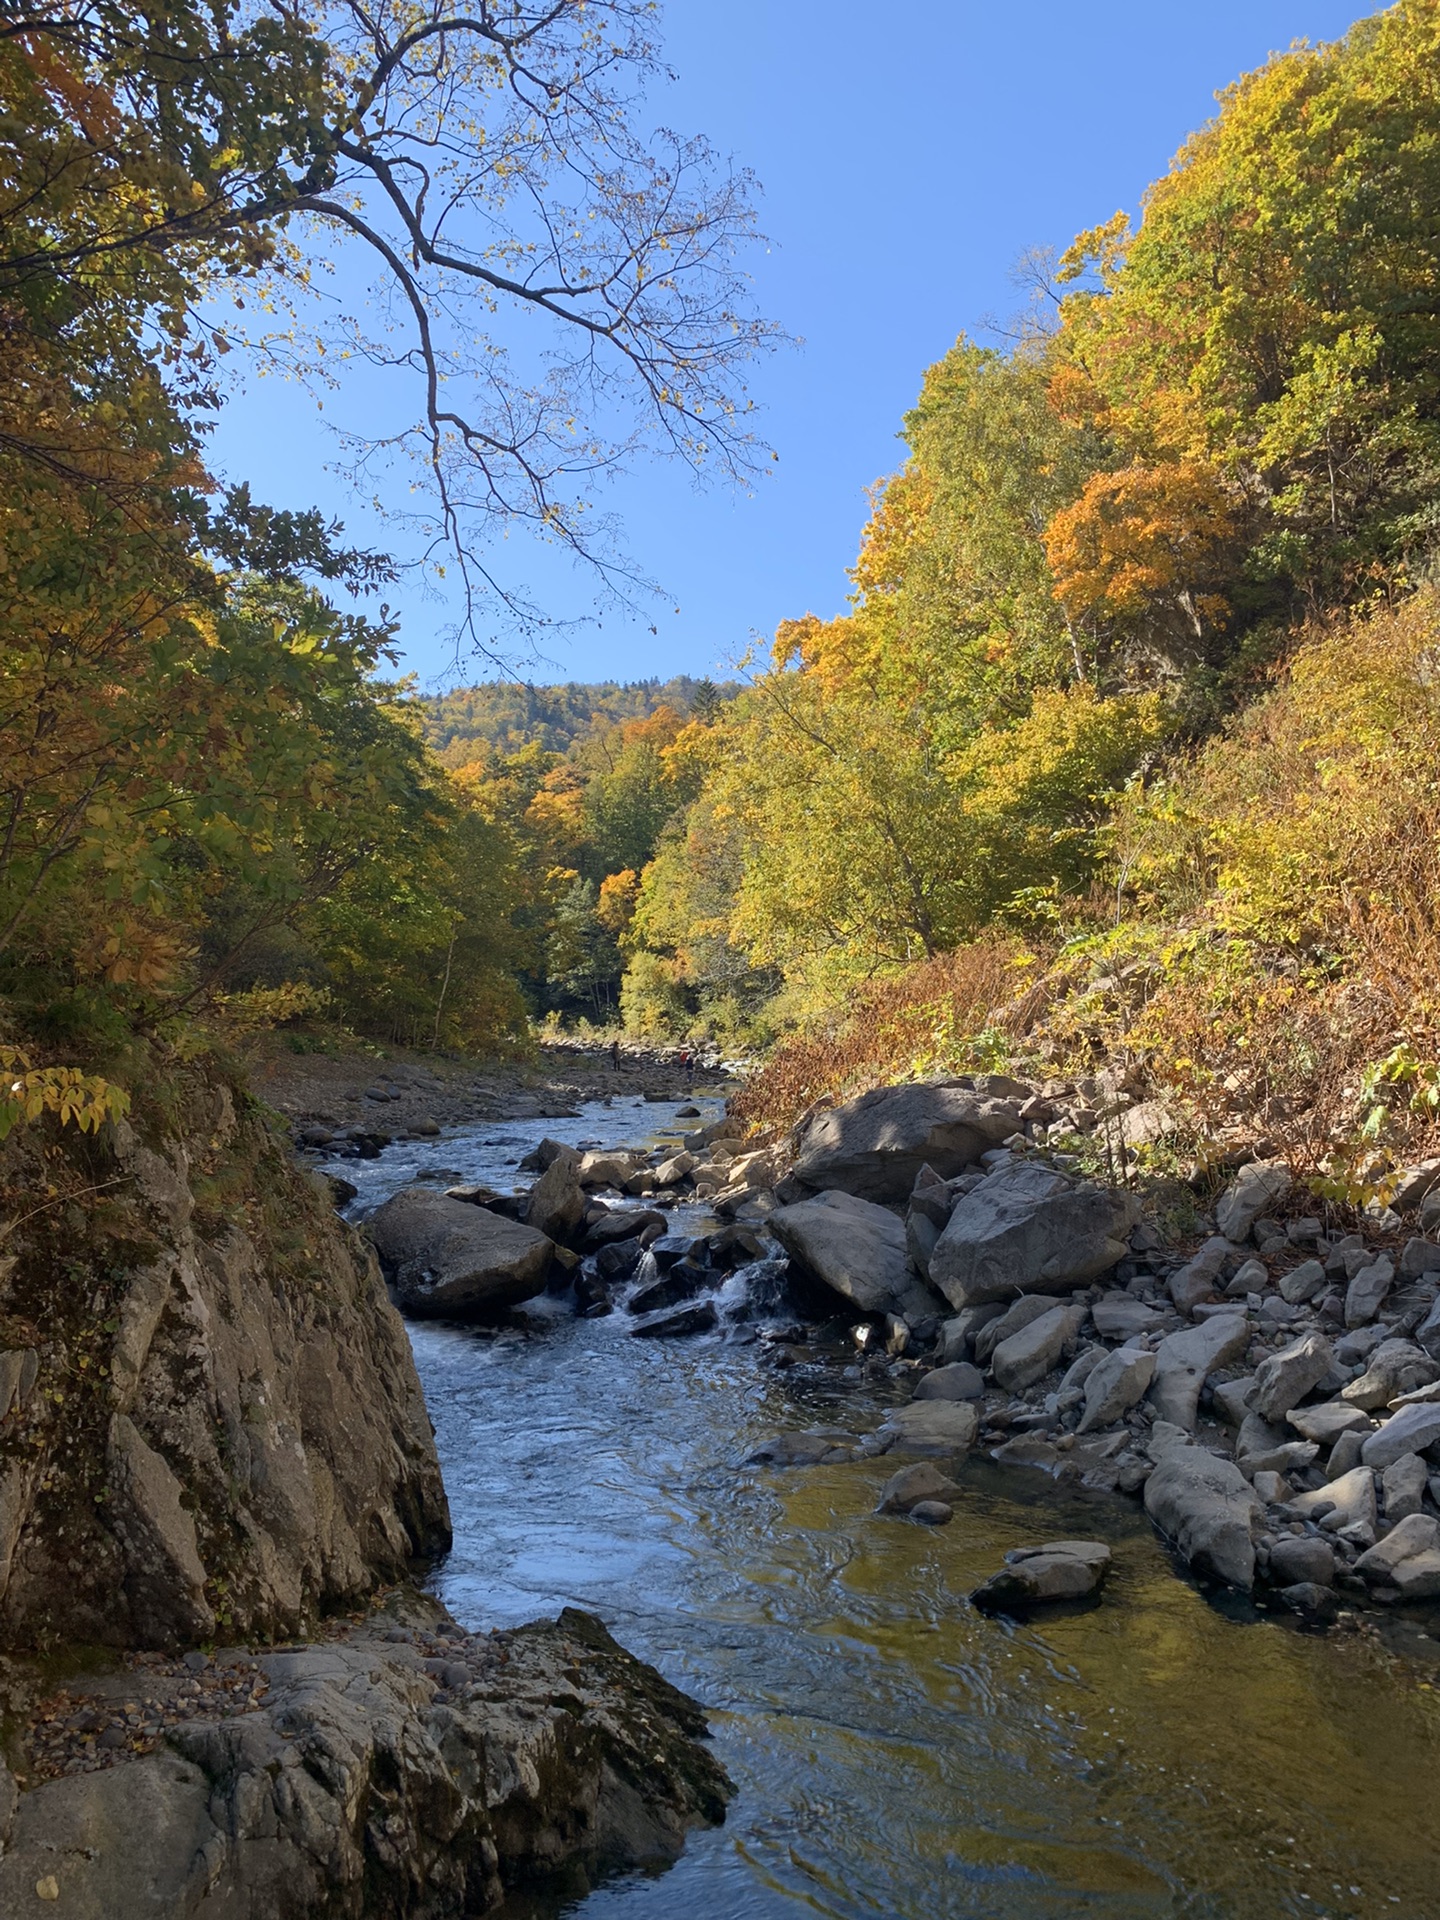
<point x="566" y="291"/>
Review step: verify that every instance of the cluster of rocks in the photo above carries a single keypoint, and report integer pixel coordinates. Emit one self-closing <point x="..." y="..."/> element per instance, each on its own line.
<point x="399" y="1766"/>
<point x="1273" y="1395"/>
<point x="473" y="1252"/>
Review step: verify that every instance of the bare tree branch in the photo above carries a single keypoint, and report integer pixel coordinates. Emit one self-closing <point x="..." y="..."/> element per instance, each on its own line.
<point x="570" y="292"/>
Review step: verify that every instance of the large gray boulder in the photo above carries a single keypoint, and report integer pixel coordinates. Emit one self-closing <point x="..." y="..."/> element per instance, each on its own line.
<point x="1182" y="1361"/>
<point x="1009" y="1320"/>
<point x="1405" y="1483"/>
<point x="1199" y="1278"/>
<point x="1030" y="1229"/>
<point x="1416" y="1534"/>
<point x="1209" y="1510"/>
<point x="959" y="1381"/>
<point x="1256" y="1190"/>
<point x="445" y="1257"/>
<point x="858" y="1251"/>
<point x="1283" y="1379"/>
<point x="1325" y="1424"/>
<point x="1366" y="1293"/>
<point x="1414" y="1429"/>
<point x="1350" y="1501"/>
<point x="557" y="1200"/>
<point x="875" y="1146"/>
<point x="931" y="1427"/>
<point x="1115" y="1384"/>
<point x="1395" y="1367"/>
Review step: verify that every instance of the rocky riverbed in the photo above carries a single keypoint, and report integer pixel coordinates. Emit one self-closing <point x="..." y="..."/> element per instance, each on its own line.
<point x="885" y="1441"/>
<point x="1272" y="1395"/>
<point x="1057" y="1744"/>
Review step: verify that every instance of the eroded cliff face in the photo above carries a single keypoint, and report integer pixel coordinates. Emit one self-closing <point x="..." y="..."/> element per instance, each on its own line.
<point x="210" y="1421"/>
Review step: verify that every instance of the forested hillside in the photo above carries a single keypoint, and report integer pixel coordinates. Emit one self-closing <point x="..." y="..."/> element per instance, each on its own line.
<point x="510" y="715"/>
<point x="1126" y="744"/>
<point x="217" y="808"/>
<point x="1129" y="724"/>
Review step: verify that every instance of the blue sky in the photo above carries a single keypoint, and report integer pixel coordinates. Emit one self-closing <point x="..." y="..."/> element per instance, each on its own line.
<point x="908" y="156"/>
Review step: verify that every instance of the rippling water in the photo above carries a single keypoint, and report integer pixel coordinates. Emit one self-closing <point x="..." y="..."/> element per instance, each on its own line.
<point x="899" y="1755"/>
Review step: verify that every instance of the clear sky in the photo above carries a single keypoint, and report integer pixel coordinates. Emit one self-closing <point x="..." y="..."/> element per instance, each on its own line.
<point x="908" y="154"/>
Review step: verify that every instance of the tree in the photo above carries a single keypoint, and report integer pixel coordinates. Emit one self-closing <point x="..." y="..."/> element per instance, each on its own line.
<point x="488" y="161"/>
<point x="1276" y="317"/>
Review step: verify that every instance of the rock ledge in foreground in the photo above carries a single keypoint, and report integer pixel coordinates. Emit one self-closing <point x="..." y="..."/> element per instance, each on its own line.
<point x="389" y="1773"/>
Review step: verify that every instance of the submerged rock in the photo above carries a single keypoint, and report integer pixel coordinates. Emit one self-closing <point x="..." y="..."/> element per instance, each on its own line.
<point x="915" y="1485"/>
<point x="932" y="1513"/>
<point x="808" y="1449"/>
<point x="930" y="1426"/>
<point x="1033" y="1576"/>
<point x="700" y="1317"/>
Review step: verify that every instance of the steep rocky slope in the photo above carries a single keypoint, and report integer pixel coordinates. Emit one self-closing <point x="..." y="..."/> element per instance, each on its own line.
<point x="211" y="1417"/>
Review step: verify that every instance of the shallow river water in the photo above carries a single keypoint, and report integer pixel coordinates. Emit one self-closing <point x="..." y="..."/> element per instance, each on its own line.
<point x="897" y="1754"/>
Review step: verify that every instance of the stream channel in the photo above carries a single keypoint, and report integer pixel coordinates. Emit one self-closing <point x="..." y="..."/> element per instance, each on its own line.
<point x="897" y="1754"/>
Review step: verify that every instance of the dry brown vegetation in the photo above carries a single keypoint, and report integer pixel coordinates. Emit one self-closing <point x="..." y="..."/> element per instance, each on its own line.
<point x="909" y="1024"/>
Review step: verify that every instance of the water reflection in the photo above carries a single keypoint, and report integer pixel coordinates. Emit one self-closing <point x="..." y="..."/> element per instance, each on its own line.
<point x="899" y="1755"/>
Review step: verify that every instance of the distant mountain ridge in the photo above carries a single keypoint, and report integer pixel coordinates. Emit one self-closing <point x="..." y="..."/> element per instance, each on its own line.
<point x="508" y="715"/>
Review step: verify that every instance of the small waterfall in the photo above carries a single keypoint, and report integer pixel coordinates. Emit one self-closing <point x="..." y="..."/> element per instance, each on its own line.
<point x="647" y="1268"/>
<point x="647" y="1271"/>
<point x="758" y="1291"/>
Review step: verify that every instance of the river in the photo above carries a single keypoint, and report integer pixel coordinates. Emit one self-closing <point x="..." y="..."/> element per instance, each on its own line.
<point x="898" y="1754"/>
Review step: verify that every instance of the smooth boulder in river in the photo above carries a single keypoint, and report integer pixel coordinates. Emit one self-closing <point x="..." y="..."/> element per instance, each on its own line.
<point x="446" y="1257"/>
<point x="1209" y="1510"/>
<point x="1030" y="1229"/>
<point x="557" y="1200"/>
<point x="875" y="1146"/>
<point x="858" y="1250"/>
<point x="929" y="1426"/>
<point x="1033" y="1576"/>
